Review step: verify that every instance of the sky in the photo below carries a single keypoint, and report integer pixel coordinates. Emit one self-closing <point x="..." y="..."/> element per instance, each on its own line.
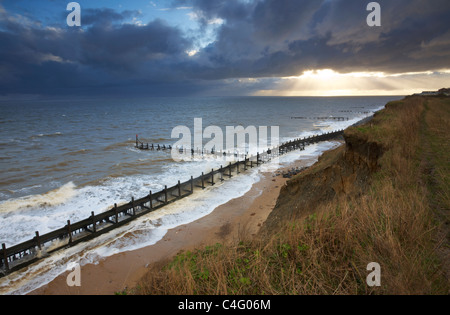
<point x="223" y="47"/>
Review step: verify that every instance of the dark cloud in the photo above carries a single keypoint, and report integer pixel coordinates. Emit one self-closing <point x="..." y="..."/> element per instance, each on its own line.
<point x="130" y="47"/>
<point x="273" y="22"/>
<point x="107" y="16"/>
<point x="256" y="39"/>
<point x="229" y="10"/>
<point x="51" y="60"/>
<point x="288" y="37"/>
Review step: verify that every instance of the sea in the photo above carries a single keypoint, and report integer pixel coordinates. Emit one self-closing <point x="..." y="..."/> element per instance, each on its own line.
<point x="63" y="159"/>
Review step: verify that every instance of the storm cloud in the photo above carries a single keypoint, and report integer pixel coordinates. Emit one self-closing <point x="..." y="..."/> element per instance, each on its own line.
<point x="253" y="39"/>
<point x="283" y="38"/>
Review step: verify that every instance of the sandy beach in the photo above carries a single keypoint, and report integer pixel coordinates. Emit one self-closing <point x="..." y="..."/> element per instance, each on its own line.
<point x="237" y="219"/>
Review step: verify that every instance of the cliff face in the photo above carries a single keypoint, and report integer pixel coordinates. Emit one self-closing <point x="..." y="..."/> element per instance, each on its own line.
<point x="342" y="172"/>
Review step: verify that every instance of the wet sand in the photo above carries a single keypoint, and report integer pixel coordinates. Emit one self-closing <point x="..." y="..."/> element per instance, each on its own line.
<point x="235" y="220"/>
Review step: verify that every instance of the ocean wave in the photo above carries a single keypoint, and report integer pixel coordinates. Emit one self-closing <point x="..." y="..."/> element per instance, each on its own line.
<point x="51" y="198"/>
<point x="41" y="135"/>
<point x="78" y="152"/>
<point x="24" y="189"/>
<point x="118" y="145"/>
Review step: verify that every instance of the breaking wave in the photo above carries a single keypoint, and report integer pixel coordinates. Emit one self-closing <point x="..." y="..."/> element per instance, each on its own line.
<point x="52" y="198"/>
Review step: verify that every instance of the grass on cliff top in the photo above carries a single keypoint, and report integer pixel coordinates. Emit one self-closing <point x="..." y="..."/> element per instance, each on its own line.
<point x="387" y="125"/>
<point x="399" y="222"/>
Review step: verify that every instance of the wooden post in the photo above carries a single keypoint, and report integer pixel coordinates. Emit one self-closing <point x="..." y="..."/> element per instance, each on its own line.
<point x="115" y="213"/>
<point x="94" y="224"/>
<point x="38" y="241"/>
<point x="237" y="167"/>
<point x="192" y="184"/>
<point x="179" y="189"/>
<point x="132" y="204"/>
<point x="165" y="193"/>
<point x="203" y="182"/>
<point x="221" y="173"/>
<point x="257" y="159"/>
<point x="151" y="201"/>
<point x="229" y="169"/>
<point x="5" y="256"/>
<point x="212" y="177"/>
<point x="69" y="231"/>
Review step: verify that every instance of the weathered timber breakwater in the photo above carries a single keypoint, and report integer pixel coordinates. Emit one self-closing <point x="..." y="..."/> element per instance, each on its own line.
<point x="41" y="246"/>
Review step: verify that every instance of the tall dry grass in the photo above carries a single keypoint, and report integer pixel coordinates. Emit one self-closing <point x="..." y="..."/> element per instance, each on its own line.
<point x="327" y="253"/>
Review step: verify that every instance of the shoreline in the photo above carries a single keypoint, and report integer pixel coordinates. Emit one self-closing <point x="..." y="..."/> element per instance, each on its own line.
<point x="236" y="219"/>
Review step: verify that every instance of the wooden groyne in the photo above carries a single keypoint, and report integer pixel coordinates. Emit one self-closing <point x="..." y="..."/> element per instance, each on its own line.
<point x="185" y="151"/>
<point x="41" y="246"/>
<point x="153" y="147"/>
<point x="321" y="118"/>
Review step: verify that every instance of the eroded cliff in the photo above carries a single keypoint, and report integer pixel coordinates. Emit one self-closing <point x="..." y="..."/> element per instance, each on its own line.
<point x="339" y="173"/>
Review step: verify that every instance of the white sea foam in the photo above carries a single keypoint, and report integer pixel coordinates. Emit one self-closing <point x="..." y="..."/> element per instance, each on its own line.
<point x="40" y="135"/>
<point x="49" y="199"/>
